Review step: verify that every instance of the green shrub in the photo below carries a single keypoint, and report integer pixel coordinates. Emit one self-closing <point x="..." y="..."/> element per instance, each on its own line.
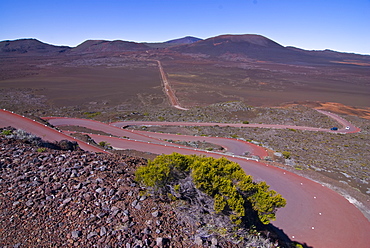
<point x="286" y="154"/>
<point x="265" y="202"/>
<point x="41" y="149"/>
<point x="231" y="189"/>
<point x="163" y="169"/>
<point x="245" y="122"/>
<point x="176" y="187"/>
<point x="92" y="114"/>
<point x="105" y="145"/>
<point x="7" y="132"/>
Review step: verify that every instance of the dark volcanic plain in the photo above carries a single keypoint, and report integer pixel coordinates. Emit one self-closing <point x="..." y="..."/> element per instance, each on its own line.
<point x="248" y="68"/>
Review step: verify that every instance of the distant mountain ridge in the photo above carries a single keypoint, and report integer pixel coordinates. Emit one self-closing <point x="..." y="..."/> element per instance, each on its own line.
<point x="108" y="46"/>
<point x="260" y="48"/>
<point x="23" y="46"/>
<point x="254" y="46"/>
<point x="249" y="46"/>
<point x="184" y="40"/>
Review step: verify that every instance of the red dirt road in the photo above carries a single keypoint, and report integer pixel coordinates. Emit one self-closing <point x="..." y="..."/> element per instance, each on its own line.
<point x="341" y="121"/>
<point x="168" y="89"/>
<point x="314" y="214"/>
<point x="46" y="133"/>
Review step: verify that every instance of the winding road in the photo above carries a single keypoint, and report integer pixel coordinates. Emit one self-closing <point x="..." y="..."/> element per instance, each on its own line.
<point x="344" y="123"/>
<point x="46" y="133"/>
<point x="314" y="214"/>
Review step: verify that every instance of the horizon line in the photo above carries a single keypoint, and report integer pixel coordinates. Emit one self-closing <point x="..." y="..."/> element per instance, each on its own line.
<point x="154" y="42"/>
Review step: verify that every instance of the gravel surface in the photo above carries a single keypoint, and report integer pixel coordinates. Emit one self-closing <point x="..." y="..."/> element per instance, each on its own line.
<point x="53" y="198"/>
<point x="78" y="199"/>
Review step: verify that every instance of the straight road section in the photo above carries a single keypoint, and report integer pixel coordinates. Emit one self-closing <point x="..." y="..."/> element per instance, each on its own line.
<point x="168" y="89"/>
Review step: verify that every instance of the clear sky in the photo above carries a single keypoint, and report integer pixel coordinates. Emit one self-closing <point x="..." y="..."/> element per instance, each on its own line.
<point x="341" y="25"/>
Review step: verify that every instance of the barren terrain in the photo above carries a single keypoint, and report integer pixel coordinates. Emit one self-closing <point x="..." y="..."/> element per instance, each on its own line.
<point x="341" y="157"/>
<point x="223" y="79"/>
<point x="79" y="199"/>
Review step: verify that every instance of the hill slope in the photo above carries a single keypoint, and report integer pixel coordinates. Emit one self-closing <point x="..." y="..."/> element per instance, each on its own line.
<point x="96" y="46"/>
<point x="261" y="48"/>
<point x="30" y="46"/>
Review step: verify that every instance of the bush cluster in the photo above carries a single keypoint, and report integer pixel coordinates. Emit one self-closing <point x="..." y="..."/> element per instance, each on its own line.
<point x="233" y="191"/>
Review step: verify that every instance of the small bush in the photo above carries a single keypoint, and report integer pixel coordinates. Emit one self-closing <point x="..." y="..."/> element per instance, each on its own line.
<point x="7" y="132"/>
<point x="286" y="154"/>
<point x="105" y="145"/>
<point x="224" y="181"/>
<point x="92" y="114"/>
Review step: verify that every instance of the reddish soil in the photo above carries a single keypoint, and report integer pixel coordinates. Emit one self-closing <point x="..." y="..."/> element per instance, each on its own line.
<point x="337" y="108"/>
<point x="311" y="215"/>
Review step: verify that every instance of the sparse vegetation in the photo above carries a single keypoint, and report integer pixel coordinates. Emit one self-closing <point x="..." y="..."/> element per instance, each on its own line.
<point x="6" y="132"/>
<point x="105" y="145"/>
<point x="41" y="149"/>
<point x="92" y="114"/>
<point x="318" y="151"/>
<point x="286" y="154"/>
<point x="232" y="191"/>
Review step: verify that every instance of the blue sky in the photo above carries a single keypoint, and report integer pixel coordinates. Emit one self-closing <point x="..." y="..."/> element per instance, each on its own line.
<point x="341" y="25"/>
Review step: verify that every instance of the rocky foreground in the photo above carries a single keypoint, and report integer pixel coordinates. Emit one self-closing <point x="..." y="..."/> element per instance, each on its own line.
<point x="54" y="198"/>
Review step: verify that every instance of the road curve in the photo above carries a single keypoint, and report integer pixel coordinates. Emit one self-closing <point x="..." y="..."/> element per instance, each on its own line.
<point x="341" y="121"/>
<point x="237" y="147"/>
<point x="46" y="133"/>
<point x="314" y="214"/>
